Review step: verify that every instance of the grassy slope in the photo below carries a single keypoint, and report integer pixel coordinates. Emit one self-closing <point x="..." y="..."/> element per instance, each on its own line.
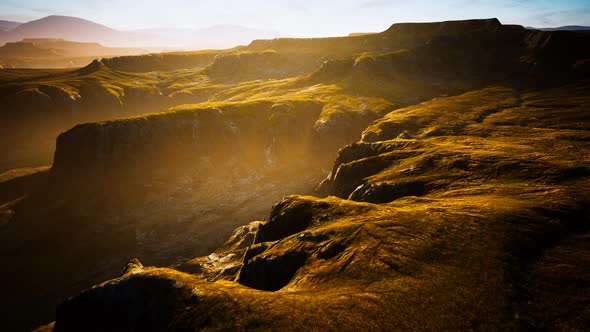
<point x="461" y="256"/>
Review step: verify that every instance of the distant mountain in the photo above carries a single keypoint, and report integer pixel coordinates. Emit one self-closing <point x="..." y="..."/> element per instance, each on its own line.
<point x="564" y="28"/>
<point x="354" y="34"/>
<point x="7" y="25"/>
<point x="70" y="28"/>
<point x="80" y="30"/>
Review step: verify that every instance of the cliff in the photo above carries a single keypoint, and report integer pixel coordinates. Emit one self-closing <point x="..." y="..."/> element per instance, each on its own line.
<point x="214" y="139"/>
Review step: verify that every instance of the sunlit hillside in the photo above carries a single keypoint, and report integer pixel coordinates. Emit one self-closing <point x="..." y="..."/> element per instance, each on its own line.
<point x="56" y="53"/>
<point x="433" y="176"/>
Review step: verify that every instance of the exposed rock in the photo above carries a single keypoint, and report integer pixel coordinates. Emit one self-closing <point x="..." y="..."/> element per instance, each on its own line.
<point x="258" y="65"/>
<point x="350" y="175"/>
<point x="281" y="224"/>
<point x="133" y="266"/>
<point x="242" y="237"/>
<point x="333" y="70"/>
<point x="271" y="273"/>
<point x="255" y="250"/>
<point x="94" y="66"/>
<point x="134" y="301"/>
<point x="331" y="250"/>
<point x="387" y="192"/>
<point x="160" y="61"/>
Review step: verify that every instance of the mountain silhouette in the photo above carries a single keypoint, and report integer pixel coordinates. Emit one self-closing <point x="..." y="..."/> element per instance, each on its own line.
<point x="69" y="28"/>
<point x="564" y="28"/>
<point x="7" y="25"/>
<point x="81" y="30"/>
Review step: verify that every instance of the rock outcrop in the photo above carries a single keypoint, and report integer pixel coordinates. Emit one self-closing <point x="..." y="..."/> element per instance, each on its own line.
<point x="259" y="66"/>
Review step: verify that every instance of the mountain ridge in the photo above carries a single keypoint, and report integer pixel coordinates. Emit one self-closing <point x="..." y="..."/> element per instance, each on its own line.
<point x="82" y="30"/>
<point x="70" y="28"/>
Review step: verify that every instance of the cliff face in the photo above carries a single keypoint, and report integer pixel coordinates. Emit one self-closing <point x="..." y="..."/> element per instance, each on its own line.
<point x="35" y="110"/>
<point x="216" y="140"/>
<point x="261" y="66"/>
<point x="398" y="36"/>
<point x="158" y="62"/>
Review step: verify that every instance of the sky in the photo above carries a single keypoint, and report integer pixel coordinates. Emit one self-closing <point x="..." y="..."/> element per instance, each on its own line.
<point x="299" y="18"/>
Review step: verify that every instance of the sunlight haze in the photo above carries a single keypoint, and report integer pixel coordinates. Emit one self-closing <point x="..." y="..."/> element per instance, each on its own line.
<point x="298" y="17"/>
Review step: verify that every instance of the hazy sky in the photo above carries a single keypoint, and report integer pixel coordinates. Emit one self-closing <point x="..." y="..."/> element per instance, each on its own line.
<point x="299" y="17"/>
